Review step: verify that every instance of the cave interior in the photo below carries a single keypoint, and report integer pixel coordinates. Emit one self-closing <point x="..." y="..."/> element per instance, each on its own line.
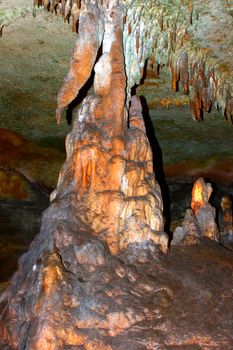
<point x="116" y="182"/>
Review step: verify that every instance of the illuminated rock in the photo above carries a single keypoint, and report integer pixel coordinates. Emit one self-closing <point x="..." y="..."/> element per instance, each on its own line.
<point x="199" y="221"/>
<point x="107" y="201"/>
<point x="172" y="34"/>
<point x="95" y="277"/>
<point x="203" y="210"/>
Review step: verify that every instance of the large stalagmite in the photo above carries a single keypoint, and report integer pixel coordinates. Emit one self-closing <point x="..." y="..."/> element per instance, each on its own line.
<point x="96" y="276"/>
<point x="106" y="189"/>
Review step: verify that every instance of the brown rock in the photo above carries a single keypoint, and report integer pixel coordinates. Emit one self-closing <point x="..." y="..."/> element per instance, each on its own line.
<point x="27" y="163"/>
<point x="107" y="200"/>
<point x="14" y="186"/>
<point x="189" y="233"/>
<point x="84" y="55"/>
<point x="227" y="216"/>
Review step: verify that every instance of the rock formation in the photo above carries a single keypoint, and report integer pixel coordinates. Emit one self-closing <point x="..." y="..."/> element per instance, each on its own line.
<point x="96" y="276"/>
<point x="166" y="34"/>
<point x="227" y="218"/>
<point x="204" y="212"/>
<point x="174" y="34"/>
<point x="106" y="193"/>
<point x="200" y="220"/>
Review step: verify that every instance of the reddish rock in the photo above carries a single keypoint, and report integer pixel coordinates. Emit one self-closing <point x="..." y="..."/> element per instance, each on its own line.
<point x="26" y="163"/>
<point x="14" y="186"/>
<point x="216" y="171"/>
<point x="84" y="55"/>
<point x="96" y="277"/>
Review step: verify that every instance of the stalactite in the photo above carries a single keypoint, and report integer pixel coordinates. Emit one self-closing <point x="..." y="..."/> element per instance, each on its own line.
<point x="87" y="45"/>
<point x="175" y="77"/>
<point x="184" y="73"/>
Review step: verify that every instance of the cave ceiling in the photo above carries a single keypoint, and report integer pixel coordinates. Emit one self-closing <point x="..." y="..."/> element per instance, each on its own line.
<point x="192" y="38"/>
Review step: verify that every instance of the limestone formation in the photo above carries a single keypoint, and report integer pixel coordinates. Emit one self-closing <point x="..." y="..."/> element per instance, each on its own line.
<point x="111" y="163"/>
<point x="227" y="218"/>
<point x="204" y="212"/>
<point x="172" y="34"/>
<point x="96" y="276"/>
<point x="107" y="200"/>
<point x="200" y="220"/>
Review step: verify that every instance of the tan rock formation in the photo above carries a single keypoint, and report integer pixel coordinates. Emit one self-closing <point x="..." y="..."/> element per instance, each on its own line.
<point x="111" y="163"/>
<point x="203" y="210"/>
<point x="107" y="200"/>
<point x="200" y="220"/>
<point x="96" y="277"/>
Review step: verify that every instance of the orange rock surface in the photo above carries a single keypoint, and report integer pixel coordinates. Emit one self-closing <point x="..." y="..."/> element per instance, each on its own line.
<point x="106" y="200"/>
<point x="203" y="211"/>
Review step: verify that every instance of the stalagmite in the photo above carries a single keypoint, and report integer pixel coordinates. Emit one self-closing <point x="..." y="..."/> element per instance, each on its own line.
<point x="227" y="217"/>
<point x="97" y="276"/>
<point x="203" y="211"/>
<point x="200" y="220"/>
<point x="107" y="200"/>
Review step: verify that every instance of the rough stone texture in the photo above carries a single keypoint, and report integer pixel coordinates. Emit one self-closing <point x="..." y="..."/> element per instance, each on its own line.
<point x="15" y="186"/>
<point x="106" y="189"/>
<point x="204" y="212"/>
<point x="187" y="37"/>
<point x="109" y="163"/>
<point x="189" y="233"/>
<point x="226" y="206"/>
<point x="83" y="298"/>
<point x="226" y="221"/>
<point x="199" y="221"/>
<point x="69" y="291"/>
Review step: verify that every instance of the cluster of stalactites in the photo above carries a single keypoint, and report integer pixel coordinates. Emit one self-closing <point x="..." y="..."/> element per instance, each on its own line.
<point x="153" y="30"/>
<point x="68" y="9"/>
<point x="204" y="86"/>
<point x="159" y="31"/>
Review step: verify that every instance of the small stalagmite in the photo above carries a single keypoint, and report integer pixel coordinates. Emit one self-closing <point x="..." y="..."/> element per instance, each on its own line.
<point x="107" y="201"/>
<point x="203" y="210"/>
<point x="227" y="216"/>
<point x="199" y="221"/>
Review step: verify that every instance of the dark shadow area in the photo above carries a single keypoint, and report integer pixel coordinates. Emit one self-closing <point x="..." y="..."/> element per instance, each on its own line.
<point x="144" y="73"/>
<point x="158" y="166"/>
<point x="83" y="92"/>
<point x="79" y="98"/>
